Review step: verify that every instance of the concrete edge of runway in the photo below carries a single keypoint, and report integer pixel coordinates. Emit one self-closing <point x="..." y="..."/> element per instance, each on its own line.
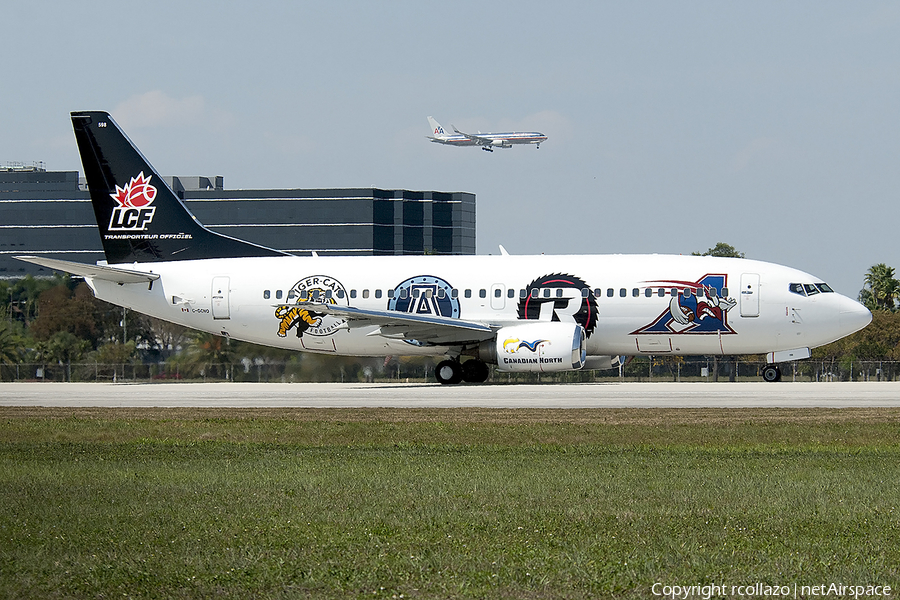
<point x="424" y="395"/>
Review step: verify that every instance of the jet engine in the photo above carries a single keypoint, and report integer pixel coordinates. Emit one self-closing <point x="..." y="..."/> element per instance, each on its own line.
<point x="544" y="346"/>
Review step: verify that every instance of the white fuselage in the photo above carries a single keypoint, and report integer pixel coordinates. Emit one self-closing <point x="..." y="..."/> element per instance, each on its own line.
<point x="504" y="140"/>
<point x="625" y="302"/>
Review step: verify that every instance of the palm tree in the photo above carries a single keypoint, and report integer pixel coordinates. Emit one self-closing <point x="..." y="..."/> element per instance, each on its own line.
<point x="9" y="345"/>
<point x="881" y="290"/>
<point x="210" y="354"/>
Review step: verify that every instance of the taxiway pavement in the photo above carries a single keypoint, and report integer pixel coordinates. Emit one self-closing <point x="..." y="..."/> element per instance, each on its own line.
<point x="336" y="395"/>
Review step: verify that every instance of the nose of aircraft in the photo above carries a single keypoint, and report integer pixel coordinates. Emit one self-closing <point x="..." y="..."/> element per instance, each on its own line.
<point x="853" y="316"/>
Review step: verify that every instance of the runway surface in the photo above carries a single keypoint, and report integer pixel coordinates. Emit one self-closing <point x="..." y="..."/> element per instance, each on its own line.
<point x="325" y="395"/>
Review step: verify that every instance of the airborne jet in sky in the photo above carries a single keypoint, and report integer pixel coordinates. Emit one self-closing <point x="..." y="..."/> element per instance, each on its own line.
<point x="520" y="313"/>
<point x="487" y="141"/>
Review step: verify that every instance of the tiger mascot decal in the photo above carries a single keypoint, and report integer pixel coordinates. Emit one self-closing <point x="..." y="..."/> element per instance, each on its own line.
<point x="296" y="316"/>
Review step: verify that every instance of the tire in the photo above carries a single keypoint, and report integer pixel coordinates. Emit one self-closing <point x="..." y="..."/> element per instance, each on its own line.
<point x="771" y="373"/>
<point x="448" y="372"/>
<point x="475" y="371"/>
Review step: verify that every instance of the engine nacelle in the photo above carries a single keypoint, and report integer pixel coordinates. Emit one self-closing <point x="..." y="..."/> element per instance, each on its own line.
<point x="543" y="346"/>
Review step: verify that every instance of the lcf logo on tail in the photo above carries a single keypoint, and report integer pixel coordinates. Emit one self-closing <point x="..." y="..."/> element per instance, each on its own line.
<point x="133" y="212"/>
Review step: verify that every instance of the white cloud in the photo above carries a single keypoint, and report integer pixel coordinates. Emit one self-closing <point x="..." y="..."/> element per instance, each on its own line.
<point x="757" y="148"/>
<point x="155" y="108"/>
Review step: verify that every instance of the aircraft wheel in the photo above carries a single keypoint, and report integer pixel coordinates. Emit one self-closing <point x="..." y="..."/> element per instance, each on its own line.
<point x="771" y="373"/>
<point x="448" y="371"/>
<point x="475" y="371"/>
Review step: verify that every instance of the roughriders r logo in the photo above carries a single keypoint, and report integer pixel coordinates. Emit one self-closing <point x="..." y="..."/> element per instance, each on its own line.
<point x="559" y="297"/>
<point x="134" y="212"/>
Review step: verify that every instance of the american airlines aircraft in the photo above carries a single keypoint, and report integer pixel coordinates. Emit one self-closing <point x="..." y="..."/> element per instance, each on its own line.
<point x="520" y="313"/>
<point x="487" y="141"/>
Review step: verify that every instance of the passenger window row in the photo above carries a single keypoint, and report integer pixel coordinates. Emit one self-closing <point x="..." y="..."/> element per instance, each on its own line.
<point x="510" y="293"/>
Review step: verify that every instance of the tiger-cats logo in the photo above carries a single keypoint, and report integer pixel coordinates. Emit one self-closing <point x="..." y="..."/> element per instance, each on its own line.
<point x="302" y="317"/>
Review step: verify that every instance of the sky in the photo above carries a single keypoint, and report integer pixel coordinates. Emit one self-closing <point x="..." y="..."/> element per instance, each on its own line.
<point x="772" y="126"/>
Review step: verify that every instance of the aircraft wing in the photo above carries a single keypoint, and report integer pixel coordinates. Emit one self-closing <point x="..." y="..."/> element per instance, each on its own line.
<point x="481" y="141"/>
<point x="114" y="274"/>
<point x="434" y="330"/>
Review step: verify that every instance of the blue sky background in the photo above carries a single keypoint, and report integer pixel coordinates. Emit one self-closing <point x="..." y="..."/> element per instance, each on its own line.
<point x="772" y="126"/>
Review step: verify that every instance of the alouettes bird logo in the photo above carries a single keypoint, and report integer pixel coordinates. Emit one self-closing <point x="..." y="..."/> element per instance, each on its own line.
<point x="137" y="193"/>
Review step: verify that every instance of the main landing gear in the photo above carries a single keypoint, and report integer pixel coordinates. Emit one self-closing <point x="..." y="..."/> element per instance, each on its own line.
<point x="452" y="371"/>
<point x="771" y="373"/>
<point x="486" y="149"/>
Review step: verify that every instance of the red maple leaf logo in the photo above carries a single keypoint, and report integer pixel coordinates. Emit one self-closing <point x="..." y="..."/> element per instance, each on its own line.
<point x="137" y="193"/>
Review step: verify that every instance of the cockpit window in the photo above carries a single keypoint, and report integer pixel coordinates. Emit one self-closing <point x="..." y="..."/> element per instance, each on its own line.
<point x="810" y="289"/>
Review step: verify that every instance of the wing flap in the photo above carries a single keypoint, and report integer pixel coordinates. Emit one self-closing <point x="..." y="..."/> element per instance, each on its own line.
<point x="435" y="330"/>
<point x="114" y="274"/>
<point x="481" y="141"/>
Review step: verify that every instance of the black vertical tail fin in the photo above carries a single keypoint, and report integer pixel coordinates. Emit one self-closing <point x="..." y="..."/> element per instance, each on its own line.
<point x="139" y="216"/>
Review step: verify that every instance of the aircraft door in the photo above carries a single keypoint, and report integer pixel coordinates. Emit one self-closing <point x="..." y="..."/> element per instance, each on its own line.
<point x="750" y="295"/>
<point x="498" y="296"/>
<point x="220" y="300"/>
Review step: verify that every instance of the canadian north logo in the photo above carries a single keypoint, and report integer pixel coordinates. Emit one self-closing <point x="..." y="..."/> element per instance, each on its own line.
<point x="513" y="345"/>
<point x="133" y="212"/>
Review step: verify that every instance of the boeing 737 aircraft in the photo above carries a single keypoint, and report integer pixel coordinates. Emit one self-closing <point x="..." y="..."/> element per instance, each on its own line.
<point x="487" y="141"/>
<point x="520" y="313"/>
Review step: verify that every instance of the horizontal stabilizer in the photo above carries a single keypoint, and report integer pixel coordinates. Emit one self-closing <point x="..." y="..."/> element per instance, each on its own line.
<point x="114" y="274"/>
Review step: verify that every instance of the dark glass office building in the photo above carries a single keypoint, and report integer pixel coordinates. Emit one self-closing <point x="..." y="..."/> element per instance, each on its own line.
<point x="48" y="213"/>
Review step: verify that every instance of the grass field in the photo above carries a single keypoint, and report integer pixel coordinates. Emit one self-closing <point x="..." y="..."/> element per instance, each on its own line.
<point x="452" y="503"/>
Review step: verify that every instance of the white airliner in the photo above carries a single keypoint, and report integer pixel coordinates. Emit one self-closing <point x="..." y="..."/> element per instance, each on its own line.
<point x="487" y="141"/>
<point x="520" y="313"/>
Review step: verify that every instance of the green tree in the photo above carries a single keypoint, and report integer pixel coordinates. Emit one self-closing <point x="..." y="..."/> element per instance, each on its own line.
<point x="64" y="309"/>
<point x="10" y="345"/>
<point x="209" y="354"/>
<point x="881" y="290"/>
<point x="721" y="249"/>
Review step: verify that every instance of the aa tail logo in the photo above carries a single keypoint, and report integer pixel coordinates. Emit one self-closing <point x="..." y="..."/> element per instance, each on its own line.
<point x="133" y="212"/>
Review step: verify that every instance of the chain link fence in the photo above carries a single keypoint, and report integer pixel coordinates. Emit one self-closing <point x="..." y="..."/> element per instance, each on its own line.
<point x="641" y="369"/>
